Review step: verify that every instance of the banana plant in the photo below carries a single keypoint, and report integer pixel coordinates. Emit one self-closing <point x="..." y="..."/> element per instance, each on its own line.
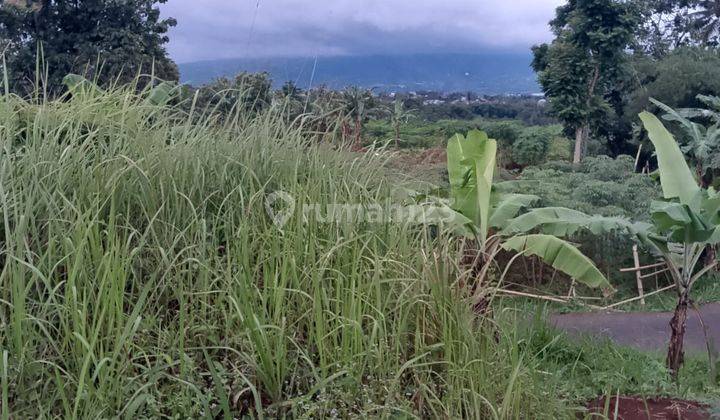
<point x="703" y="142"/>
<point x="682" y="226"/>
<point x="488" y="212"/>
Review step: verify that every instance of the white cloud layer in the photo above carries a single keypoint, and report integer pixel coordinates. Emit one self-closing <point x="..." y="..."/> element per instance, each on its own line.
<point x="210" y="29"/>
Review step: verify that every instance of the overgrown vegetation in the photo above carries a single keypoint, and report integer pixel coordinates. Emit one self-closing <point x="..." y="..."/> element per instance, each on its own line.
<point x="146" y="278"/>
<point x="175" y="252"/>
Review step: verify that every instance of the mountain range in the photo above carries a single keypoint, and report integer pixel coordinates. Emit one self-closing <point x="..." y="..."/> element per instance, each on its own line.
<point x="484" y="73"/>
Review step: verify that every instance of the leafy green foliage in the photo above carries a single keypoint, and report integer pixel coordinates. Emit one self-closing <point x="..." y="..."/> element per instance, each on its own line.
<point x="699" y="143"/>
<point x="471" y="168"/>
<point x="243" y="94"/>
<point x="106" y="41"/>
<point x="675" y="79"/>
<point x="578" y="69"/>
<point x="534" y="144"/>
<point x="600" y="185"/>
<point x="682" y="227"/>
<point x="144" y="278"/>
<point x="560" y="255"/>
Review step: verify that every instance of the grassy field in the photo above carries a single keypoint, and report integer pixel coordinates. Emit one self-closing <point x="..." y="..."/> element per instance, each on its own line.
<point x="143" y="277"/>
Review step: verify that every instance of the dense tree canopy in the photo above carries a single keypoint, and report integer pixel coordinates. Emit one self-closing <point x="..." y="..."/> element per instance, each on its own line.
<point x="670" y="24"/>
<point x="104" y="39"/>
<point x="578" y="69"/>
<point x="675" y="79"/>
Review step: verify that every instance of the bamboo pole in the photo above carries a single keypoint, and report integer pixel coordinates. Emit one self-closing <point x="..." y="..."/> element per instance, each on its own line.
<point x="638" y="275"/>
<point x="645" y="267"/>
<point x="644" y="276"/>
<point x="614" y="305"/>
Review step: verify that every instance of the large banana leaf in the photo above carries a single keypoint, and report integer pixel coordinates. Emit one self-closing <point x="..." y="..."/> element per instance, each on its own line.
<point x="681" y="222"/>
<point x="560" y="221"/>
<point x="471" y="167"/>
<point x="561" y="255"/>
<point x="507" y="206"/>
<point x="703" y="140"/>
<point x="675" y="175"/>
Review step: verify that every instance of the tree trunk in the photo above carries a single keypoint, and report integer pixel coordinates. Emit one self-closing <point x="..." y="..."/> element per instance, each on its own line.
<point x="579" y="143"/>
<point x="397" y="136"/>
<point x="581" y="133"/>
<point x="676" y="351"/>
<point x="345" y="130"/>
<point x="358" y="133"/>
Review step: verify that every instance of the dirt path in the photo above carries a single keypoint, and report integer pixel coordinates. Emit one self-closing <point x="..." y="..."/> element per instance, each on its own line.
<point x="644" y="331"/>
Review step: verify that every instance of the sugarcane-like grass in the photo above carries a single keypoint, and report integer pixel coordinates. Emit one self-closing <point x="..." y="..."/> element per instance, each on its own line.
<point x="142" y="277"/>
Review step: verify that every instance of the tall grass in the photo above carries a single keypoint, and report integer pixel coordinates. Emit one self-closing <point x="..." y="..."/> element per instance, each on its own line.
<point x="141" y="276"/>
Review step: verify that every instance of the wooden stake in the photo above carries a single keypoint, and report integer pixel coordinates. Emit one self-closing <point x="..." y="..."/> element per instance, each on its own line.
<point x="571" y="292"/>
<point x="637" y="158"/>
<point x="638" y="275"/>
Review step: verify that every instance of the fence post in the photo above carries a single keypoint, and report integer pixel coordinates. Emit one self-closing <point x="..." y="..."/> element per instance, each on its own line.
<point x="638" y="275"/>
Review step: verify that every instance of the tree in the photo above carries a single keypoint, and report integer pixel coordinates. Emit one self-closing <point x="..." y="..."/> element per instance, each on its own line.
<point x="670" y="24"/>
<point x="577" y="70"/>
<point x="667" y="25"/>
<point x="104" y="40"/>
<point x="706" y="21"/>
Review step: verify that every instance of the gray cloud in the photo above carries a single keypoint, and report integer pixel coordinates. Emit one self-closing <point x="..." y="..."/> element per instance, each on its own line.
<point x="211" y="29"/>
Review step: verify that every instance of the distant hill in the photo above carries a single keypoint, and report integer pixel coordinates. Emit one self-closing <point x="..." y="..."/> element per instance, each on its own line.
<point x="490" y="74"/>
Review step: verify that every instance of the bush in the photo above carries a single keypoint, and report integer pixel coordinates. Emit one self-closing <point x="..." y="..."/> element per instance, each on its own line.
<point x="599" y="184"/>
<point x="560" y="149"/>
<point x="505" y="132"/>
<point x="533" y="145"/>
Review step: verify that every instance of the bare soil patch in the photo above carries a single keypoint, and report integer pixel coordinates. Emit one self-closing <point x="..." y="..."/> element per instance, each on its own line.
<point x="637" y="408"/>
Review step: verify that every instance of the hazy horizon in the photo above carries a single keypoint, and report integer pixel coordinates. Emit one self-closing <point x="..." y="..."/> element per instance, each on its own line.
<point x="256" y="29"/>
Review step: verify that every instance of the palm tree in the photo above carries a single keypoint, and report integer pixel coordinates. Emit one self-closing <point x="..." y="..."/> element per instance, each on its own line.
<point x="706" y="20"/>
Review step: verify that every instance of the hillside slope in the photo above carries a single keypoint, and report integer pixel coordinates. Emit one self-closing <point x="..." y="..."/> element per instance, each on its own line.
<point x="492" y="73"/>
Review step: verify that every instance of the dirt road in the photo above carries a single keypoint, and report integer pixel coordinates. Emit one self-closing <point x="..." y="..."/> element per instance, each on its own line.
<point x="645" y="331"/>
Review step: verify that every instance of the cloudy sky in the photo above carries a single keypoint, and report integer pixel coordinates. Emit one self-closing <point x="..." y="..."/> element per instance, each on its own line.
<point x="211" y="29"/>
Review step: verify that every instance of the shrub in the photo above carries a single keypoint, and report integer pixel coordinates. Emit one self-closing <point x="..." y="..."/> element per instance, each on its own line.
<point x="505" y="132"/>
<point x="560" y="149"/>
<point x="533" y="145"/>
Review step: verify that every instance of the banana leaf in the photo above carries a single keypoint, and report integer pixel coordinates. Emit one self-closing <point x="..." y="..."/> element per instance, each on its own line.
<point x="507" y="206"/>
<point x="471" y="168"/>
<point x="561" y="255"/>
<point x="675" y="176"/>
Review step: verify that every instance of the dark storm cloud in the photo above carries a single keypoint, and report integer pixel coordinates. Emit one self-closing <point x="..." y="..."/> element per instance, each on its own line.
<point x="209" y="29"/>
